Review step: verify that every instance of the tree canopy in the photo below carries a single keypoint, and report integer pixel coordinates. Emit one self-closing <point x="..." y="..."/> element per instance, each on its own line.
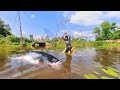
<point x="5" y="29"/>
<point x="108" y="31"/>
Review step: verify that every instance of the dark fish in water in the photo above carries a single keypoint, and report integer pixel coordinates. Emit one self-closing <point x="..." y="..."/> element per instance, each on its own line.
<point x="29" y="58"/>
<point x="34" y="57"/>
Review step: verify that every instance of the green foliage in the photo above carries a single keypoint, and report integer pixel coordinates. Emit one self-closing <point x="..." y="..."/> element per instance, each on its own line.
<point x="5" y="40"/>
<point x="97" y="31"/>
<point x="1" y="36"/>
<point x="26" y="40"/>
<point x="13" y="40"/>
<point x="4" y="29"/>
<point x="107" y="32"/>
<point x="109" y="71"/>
<point x="54" y="42"/>
<point x="113" y="24"/>
<point x="115" y="70"/>
<point x="99" y="43"/>
<point x="99" y="39"/>
<point x="90" y="76"/>
<point x="106" y="25"/>
<point x="96" y="73"/>
<point x="116" y="35"/>
<point x="104" y="77"/>
<point x="31" y="37"/>
<point x="6" y="36"/>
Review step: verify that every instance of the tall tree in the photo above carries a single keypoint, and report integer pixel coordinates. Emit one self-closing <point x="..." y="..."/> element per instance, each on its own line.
<point x="31" y="37"/>
<point x="113" y="27"/>
<point x="4" y="29"/>
<point x="106" y="27"/>
<point x="97" y="31"/>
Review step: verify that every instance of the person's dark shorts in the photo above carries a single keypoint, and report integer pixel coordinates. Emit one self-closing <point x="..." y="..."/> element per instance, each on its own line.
<point x="68" y="47"/>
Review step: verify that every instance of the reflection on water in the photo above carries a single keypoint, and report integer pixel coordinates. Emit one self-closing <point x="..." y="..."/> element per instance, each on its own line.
<point x="42" y="49"/>
<point x="49" y="72"/>
<point x="73" y="66"/>
<point x="107" y="57"/>
<point x="67" y="63"/>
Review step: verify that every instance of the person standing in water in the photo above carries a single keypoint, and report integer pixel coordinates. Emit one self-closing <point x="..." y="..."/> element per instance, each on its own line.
<point x="67" y="39"/>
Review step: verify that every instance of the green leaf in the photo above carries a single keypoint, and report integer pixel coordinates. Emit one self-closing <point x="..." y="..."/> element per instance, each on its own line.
<point x="104" y="77"/>
<point x="90" y="76"/>
<point x="110" y="72"/>
<point x="94" y="77"/>
<point x="119" y="76"/>
<point x="96" y="72"/>
<point x="113" y="69"/>
<point x="87" y="76"/>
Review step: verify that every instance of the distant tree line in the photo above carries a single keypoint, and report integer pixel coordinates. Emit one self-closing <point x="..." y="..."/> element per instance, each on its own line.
<point x="6" y="37"/>
<point x="107" y="31"/>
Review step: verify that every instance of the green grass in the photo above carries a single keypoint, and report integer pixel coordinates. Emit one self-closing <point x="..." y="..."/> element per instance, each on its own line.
<point x="76" y="44"/>
<point x="97" y="44"/>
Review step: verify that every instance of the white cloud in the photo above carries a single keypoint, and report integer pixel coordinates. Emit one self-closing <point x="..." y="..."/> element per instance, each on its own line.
<point x="77" y="34"/>
<point x="67" y="14"/>
<point x="88" y="18"/>
<point x="112" y="14"/>
<point x="118" y="24"/>
<point x="36" y="37"/>
<point x="14" y="33"/>
<point x="32" y="16"/>
<point x="88" y="34"/>
<point x="63" y="30"/>
<point x="24" y="33"/>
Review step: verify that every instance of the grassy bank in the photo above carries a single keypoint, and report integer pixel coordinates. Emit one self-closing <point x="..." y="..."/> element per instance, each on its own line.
<point x="80" y="44"/>
<point x="61" y="45"/>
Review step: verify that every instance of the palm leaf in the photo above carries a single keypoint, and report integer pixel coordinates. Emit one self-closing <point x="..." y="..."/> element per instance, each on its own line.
<point x="90" y="76"/>
<point x="113" y="69"/>
<point x="104" y="77"/>
<point x="96" y="72"/>
<point x="110" y="72"/>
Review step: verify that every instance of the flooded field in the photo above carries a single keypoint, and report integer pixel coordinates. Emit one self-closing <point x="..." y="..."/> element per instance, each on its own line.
<point x="83" y="61"/>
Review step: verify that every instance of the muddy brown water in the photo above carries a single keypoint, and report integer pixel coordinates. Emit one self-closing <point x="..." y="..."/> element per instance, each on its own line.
<point x="74" y="66"/>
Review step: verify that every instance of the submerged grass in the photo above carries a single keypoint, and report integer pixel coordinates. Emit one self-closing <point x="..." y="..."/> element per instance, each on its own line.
<point x="112" y="72"/>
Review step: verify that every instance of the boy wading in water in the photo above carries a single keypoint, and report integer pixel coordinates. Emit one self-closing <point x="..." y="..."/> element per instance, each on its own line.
<point x="67" y="39"/>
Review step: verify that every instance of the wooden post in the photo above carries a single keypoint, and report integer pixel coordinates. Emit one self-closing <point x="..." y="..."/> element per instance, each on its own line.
<point x="21" y="41"/>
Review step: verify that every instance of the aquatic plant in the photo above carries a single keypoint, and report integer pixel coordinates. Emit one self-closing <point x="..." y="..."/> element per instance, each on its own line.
<point x="109" y="71"/>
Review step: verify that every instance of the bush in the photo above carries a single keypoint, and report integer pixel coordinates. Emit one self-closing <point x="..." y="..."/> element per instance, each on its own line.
<point x="1" y="36"/>
<point x="99" y="39"/>
<point x="99" y="43"/>
<point x="5" y="40"/>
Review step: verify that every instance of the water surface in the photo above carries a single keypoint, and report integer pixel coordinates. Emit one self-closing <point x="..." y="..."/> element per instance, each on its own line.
<point x="74" y="66"/>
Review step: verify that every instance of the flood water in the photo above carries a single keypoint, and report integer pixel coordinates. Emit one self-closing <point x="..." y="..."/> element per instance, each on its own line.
<point x="74" y="66"/>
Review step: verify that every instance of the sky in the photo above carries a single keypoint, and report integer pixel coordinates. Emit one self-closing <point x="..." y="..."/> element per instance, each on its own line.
<point x="40" y="23"/>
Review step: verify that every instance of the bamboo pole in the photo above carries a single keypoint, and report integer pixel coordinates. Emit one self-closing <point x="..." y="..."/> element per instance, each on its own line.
<point x="21" y="41"/>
